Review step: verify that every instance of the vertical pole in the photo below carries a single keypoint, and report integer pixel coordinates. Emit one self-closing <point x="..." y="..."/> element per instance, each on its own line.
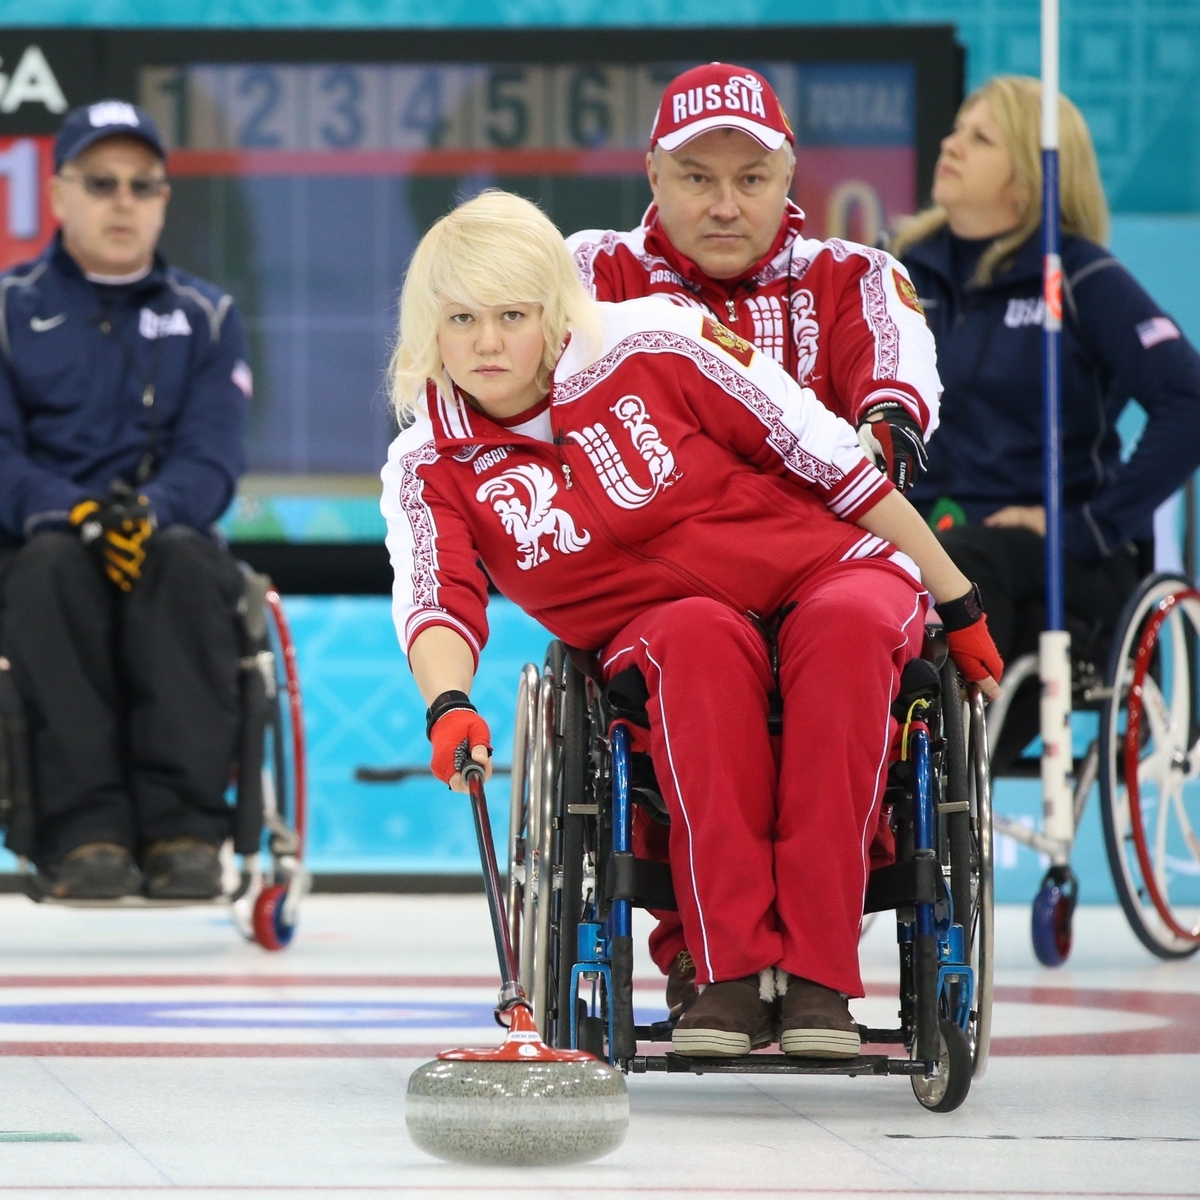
<point x="1052" y="321"/>
<point x="1055" y="644"/>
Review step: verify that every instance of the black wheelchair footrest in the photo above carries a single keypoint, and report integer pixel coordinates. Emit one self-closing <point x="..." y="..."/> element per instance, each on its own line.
<point x="641" y="881"/>
<point x="882" y="1037"/>
<point x="776" y="1064"/>
<point x="660" y="1031"/>
<point x="903" y="884"/>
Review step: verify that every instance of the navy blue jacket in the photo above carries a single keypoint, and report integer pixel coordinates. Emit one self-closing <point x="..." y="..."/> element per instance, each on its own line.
<point x="75" y="362"/>
<point x="1117" y="344"/>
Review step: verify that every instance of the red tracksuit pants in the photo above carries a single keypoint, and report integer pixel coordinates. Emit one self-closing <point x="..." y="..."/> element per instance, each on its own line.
<point x="769" y="856"/>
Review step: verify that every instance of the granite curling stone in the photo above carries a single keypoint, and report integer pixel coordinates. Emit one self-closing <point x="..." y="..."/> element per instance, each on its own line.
<point x="519" y="1114"/>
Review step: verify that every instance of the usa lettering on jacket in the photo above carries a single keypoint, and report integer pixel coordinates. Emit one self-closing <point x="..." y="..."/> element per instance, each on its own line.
<point x="158" y="325"/>
<point x="1021" y="312"/>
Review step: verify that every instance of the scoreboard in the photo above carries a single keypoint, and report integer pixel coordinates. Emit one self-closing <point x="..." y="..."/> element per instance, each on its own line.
<point x="306" y="165"/>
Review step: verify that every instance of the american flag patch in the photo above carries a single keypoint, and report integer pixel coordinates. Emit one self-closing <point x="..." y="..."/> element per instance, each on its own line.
<point x="243" y="379"/>
<point x="1157" y="329"/>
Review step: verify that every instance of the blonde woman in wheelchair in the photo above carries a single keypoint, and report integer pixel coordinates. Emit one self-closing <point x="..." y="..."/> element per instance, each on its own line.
<point x="649" y="487"/>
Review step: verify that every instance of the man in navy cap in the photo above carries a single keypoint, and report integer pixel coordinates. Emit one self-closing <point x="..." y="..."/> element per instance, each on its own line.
<point x="123" y="396"/>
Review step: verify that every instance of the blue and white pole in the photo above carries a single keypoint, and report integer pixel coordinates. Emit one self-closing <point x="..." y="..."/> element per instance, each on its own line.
<point x="1058" y="820"/>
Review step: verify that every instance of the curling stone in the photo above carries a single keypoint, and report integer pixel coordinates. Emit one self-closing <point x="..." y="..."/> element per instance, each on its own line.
<point x="522" y="1104"/>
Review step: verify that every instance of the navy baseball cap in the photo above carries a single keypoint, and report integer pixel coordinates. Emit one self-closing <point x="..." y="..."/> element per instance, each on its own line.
<point x="83" y="127"/>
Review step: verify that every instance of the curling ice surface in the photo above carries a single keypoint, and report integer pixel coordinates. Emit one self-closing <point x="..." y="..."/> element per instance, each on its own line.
<point x="517" y="1114"/>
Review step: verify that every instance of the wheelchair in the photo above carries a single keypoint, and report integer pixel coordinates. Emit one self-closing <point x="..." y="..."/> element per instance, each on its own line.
<point x="573" y="879"/>
<point x="268" y="784"/>
<point x="1146" y="758"/>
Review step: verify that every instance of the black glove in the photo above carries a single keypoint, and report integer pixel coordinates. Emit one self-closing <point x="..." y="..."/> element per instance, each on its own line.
<point x="116" y="527"/>
<point x="896" y="445"/>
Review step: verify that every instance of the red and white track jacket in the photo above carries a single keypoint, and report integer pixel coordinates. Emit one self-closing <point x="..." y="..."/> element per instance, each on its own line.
<point x="840" y="318"/>
<point x="683" y="463"/>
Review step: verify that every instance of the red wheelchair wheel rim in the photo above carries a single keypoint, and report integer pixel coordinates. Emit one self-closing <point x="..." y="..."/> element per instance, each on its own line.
<point x="1133" y="730"/>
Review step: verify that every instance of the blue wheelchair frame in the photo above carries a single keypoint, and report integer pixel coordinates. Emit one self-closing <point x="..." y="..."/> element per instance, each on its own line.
<point x="574" y="880"/>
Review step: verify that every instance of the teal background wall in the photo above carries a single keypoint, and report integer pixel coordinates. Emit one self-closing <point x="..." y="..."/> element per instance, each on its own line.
<point x="1133" y="66"/>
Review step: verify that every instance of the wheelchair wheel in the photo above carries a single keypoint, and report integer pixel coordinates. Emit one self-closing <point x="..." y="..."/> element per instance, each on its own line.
<point x="271" y="929"/>
<point x="967" y="810"/>
<point x="983" y="915"/>
<point x="1150" y="768"/>
<point x="535" y="865"/>
<point x="946" y="1090"/>
<point x="271" y="775"/>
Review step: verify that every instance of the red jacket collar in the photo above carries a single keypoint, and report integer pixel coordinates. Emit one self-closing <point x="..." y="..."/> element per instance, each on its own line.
<point x="457" y="424"/>
<point x="657" y="243"/>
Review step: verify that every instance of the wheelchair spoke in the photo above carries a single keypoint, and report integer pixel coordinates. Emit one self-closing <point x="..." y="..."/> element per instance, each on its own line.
<point x="1154" y="706"/>
<point x="1181" y="703"/>
<point x="1185" y="825"/>
<point x="1165" y="804"/>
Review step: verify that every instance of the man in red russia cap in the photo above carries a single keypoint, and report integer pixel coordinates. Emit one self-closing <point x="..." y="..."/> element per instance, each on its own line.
<point x="840" y="318"/>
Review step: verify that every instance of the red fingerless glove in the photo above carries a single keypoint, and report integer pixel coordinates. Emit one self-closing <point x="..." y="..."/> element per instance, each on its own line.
<point x="457" y="729"/>
<point x="975" y="653"/>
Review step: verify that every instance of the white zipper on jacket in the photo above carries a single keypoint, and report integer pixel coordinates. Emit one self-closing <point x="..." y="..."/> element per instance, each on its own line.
<point x="729" y="304"/>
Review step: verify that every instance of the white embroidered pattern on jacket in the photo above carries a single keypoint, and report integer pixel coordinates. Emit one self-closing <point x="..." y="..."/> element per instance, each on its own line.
<point x="531" y="482"/>
<point x="875" y="306"/>
<point x="420" y="518"/>
<point x="586" y="254"/>
<point x="805" y="332"/>
<point x="662" y="341"/>
<point x="610" y="467"/>
<point x="767" y="314"/>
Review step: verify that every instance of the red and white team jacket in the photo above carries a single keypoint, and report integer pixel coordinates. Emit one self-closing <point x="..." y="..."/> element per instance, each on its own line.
<point x="677" y="462"/>
<point x="840" y="318"/>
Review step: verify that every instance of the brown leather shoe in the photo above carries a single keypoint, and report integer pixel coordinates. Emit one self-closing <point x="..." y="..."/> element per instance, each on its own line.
<point x="182" y="868"/>
<point x="817" y="1022"/>
<point x="94" y="871"/>
<point x="681" y="985"/>
<point x="729" y="1018"/>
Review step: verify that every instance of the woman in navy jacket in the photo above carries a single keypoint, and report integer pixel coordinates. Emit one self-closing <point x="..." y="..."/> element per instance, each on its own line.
<point x="975" y="259"/>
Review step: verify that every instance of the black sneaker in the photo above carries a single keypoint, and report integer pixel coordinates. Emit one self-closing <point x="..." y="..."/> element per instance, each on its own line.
<point x="182" y="868"/>
<point x="94" y="871"/>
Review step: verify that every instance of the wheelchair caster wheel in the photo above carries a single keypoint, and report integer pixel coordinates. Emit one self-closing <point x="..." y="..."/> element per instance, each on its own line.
<point x="1053" y="910"/>
<point x="271" y="932"/>
<point x="949" y="1087"/>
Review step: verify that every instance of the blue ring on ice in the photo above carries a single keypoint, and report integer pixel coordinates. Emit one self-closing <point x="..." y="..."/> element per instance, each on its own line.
<point x="255" y="1014"/>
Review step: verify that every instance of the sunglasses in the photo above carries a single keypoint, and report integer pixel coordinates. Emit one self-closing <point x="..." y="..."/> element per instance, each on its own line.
<point x="105" y="187"/>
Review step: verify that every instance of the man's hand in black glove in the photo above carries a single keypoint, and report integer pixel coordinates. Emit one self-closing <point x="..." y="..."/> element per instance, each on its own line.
<point x="116" y="527"/>
<point x="893" y="440"/>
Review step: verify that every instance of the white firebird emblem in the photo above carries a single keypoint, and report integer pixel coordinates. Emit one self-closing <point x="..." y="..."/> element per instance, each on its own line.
<point x="597" y="443"/>
<point x="508" y="492"/>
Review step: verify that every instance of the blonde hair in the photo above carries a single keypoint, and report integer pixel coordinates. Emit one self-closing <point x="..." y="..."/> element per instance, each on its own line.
<point x="494" y="249"/>
<point x="1016" y="102"/>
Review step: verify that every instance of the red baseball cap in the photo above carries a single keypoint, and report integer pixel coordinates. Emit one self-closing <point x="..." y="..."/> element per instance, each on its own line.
<point x="720" y="96"/>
